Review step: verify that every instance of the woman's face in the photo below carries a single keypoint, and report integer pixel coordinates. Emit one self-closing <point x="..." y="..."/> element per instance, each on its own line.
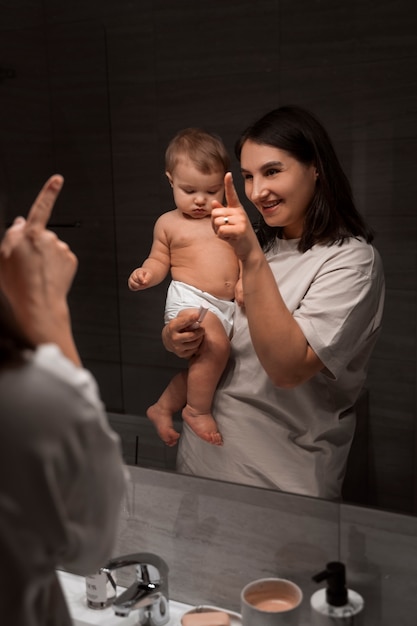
<point x="278" y="185"/>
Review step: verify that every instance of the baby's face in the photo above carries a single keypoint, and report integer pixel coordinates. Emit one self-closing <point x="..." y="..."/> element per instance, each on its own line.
<point x="194" y="191"/>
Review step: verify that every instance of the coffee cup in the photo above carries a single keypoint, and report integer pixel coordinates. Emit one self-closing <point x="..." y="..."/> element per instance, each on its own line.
<point x="270" y="602"/>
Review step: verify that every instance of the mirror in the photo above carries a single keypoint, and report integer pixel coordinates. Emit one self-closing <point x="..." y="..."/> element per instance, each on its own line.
<point x="95" y="90"/>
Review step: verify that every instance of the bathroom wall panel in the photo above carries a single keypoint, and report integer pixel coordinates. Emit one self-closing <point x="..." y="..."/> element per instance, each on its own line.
<point x="202" y="40"/>
<point x="326" y="92"/>
<point x="382" y="177"/>
<point x="386" y="99"/>
<point x="316" y="34"/>
<point x="220" y="57"/>
<point x="26" y="147"/>
<point x="143" y="318"/>
<point x="392" y="373"/>
<point x="141" y="313"/>
<point x="396" y="241"/>
<point x="392" y="390"/>
<point x="108" y="12"/>
<point x="236" y="99"/>
<point x="317" y="69"/>
<point x="55" y="123"/>
<point x="21" y="14"/>
<point x="59" y="11"/>
<point x="392" y="427"/>
<point x="398" y="336"/>
<point x="79" y="110"/>
<point x="109" y="377"/>
<point x="391" y="386"/>
<point x="140" y="442"/>
<point x="385" y="31"/>
<point x="143" y="383"/>
<point x="137" y="166"/>
<point x="391" y="481"/>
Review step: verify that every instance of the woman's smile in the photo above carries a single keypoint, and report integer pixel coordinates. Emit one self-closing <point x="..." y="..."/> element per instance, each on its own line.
<point x="268" y="208"/>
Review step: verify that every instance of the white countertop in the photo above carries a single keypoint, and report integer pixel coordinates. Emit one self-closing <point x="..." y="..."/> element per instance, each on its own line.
<point x="74" y="589"/>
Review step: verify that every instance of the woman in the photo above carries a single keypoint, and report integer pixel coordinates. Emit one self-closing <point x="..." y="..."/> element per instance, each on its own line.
<point x="61" y="470"/>
<point x="311" y="309"/>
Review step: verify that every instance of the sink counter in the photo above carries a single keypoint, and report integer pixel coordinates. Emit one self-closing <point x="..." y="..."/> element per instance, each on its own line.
<point x="75" y="594"/>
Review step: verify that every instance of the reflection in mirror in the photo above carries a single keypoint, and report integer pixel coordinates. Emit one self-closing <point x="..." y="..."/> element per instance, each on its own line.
<point x="98" y="96"/>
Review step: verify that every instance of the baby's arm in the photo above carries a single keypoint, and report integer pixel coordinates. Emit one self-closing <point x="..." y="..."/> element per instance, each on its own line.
<point x="157" y="265"/>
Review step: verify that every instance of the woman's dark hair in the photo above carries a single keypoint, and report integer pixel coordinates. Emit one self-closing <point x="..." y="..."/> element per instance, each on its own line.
<point x="13" y="342"/>
<point x="332" y="216"/>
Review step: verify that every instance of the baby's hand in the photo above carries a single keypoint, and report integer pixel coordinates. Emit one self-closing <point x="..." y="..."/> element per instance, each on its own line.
<point x="139" y="279"/>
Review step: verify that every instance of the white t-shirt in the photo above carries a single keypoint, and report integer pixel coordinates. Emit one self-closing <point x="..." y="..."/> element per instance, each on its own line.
<point x="61" y="483"/>
<point x="298" y="439"/>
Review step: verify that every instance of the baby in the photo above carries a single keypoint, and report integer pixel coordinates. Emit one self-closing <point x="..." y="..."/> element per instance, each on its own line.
<point x="204" y="271"/>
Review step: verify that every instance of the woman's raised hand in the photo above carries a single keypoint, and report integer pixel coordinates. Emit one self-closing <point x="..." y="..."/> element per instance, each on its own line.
<point x="231" y="222"/>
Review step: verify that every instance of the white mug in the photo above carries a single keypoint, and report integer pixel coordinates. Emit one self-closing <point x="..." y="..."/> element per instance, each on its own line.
<point x="270" y="602"/>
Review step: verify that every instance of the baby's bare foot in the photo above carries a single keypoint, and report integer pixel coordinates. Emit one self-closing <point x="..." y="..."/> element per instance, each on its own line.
<point x="203" y="424"/>
<point x="162" y="419"/>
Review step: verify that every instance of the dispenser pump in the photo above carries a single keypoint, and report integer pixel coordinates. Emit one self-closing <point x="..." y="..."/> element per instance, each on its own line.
<point x="335" y="576"/>
<point x="335" y="605"/>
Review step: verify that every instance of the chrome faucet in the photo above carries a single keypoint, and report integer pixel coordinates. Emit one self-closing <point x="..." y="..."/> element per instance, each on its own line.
<point x="149" y="593"/>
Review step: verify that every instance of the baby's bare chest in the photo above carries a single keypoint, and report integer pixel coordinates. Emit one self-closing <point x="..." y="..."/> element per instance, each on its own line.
<point x="195" y="236"/>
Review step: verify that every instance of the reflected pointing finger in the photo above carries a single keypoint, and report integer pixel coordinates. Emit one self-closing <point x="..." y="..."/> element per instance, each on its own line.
<point x="41" y="209"/>
<point x="232" y="199"/>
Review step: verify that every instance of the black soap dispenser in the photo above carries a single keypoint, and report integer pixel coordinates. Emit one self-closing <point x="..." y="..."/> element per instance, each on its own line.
<point x="335" y="604"/>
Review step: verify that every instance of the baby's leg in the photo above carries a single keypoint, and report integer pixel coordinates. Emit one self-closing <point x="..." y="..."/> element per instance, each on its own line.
<point x="172" y="399"/>
<point x="204" y="373"/>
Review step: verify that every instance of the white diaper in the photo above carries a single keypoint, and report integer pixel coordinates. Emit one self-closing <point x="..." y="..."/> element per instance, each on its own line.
<point x="181" y="296"/>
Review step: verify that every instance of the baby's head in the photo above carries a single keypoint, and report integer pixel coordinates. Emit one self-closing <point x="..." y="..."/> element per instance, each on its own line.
<point x="196" y="162"/>
<point x="204" y="150"/>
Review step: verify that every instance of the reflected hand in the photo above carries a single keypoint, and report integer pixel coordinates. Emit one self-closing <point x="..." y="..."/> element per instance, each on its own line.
<point x="231" y="222"/>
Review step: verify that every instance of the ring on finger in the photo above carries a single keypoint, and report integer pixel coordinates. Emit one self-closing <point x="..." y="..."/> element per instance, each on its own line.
<point x="226" y="220"/>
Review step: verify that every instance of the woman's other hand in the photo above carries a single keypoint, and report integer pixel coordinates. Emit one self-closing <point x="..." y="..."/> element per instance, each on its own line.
<point x="178" y="336"/>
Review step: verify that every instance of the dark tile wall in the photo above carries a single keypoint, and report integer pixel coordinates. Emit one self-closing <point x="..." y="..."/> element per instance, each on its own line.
<point x="101" y="87"/>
